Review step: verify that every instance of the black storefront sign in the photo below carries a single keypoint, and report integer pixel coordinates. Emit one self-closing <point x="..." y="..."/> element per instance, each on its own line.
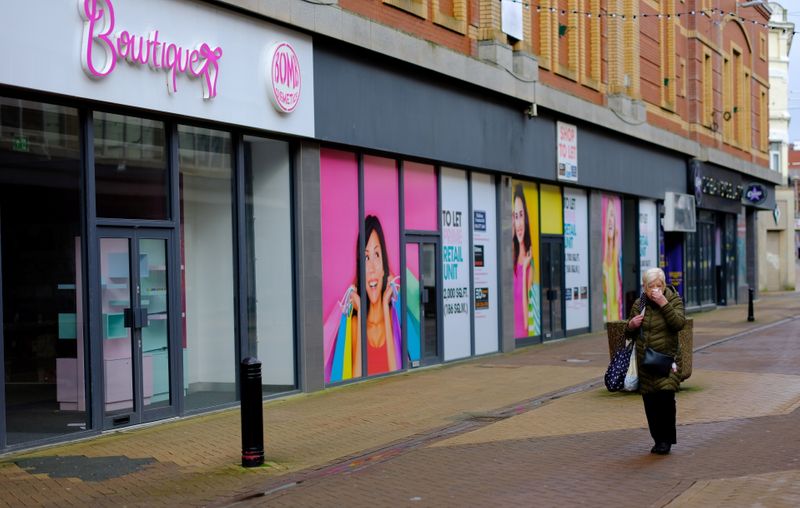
<point x="716" y="188"/>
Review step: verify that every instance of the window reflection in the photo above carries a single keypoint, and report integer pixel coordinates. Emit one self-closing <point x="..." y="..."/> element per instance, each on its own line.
<point x="268" y="210"/>
<point x="130" y="167"/>
<point x="209" y="343"/>
<point x="43" y="332"/>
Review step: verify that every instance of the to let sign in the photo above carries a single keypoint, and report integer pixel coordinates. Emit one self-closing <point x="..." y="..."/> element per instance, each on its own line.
<point x="567" y="138"/>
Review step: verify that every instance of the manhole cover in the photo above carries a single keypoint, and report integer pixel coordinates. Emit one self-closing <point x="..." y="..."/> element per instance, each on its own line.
<point x="90" y="469"/>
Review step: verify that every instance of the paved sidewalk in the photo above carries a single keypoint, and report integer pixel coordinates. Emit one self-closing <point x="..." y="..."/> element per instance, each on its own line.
<point x="195" y="461"/>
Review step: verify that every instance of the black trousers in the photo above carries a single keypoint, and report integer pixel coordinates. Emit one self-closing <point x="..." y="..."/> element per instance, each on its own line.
<point x="660" y="410"/>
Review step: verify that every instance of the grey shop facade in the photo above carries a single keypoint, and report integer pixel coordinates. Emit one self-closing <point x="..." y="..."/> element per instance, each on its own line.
<point x="153" y="236"/>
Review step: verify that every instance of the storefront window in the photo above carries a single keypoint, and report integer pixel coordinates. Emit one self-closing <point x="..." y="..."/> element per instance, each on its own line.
<point x="338" y="182"/>
<point x="40" y="228"/>
<point x="269" y="244"/>
<point x="456" y="297"/>
<point x="130" y="167"/>
<point x="381" y="266"/>
<point x="484" y="263"/>
<point x="525" y="247"/>
<point x="209" y="342"/>
<point x="706" y="246"/>
<point x="691" y="270"/>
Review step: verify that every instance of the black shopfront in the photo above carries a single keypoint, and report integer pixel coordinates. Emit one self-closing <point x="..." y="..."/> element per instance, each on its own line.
<point x="720" y="255"/>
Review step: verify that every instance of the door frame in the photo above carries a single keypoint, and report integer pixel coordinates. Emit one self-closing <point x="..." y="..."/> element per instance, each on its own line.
<point x="139" y="414"/>
<point x="550" y="240"/>
<point x="424" y="360"/>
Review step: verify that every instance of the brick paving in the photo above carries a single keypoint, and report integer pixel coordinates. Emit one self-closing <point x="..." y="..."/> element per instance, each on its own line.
<point x="532" y="427"/>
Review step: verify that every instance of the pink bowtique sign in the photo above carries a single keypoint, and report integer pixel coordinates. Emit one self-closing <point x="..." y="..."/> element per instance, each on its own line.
<point x="102" y="48"/>
<point x="284" y="74"/>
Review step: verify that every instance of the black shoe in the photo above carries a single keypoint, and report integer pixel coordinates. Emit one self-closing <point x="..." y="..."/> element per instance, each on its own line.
<point x="654" y="449"/>
<point x="662" y="448"/>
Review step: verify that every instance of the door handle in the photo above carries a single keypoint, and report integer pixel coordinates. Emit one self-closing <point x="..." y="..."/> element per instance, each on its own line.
<point x="135" y="317"/>
<point x="144" y="320"/>
<point x="127" y="318"/>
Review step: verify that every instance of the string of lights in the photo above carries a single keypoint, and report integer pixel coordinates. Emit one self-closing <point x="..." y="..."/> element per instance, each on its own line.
<point x="708" y="13"/>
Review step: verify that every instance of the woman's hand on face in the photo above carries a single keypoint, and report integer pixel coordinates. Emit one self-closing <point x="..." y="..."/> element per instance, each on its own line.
<point x="635" y="322"/>
<point x="657" y="296"/>
<point x="355" y="299"/>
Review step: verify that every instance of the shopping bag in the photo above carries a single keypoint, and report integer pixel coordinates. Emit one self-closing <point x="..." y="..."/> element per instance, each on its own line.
<point x="617" y="368"/>
<point x="338" y="358"/>
<point x="631" y="383"/>
<point x="338" y="362"/>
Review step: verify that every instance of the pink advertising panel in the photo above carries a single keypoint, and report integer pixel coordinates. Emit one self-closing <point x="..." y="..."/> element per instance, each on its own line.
<point x="339" y="224"/>
<point x="421" y="196"/>
<point x="382" y="264"/>
<point x="612" y="257"/>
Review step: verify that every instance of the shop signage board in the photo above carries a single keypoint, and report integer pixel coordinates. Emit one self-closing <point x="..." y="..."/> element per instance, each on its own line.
<point x="567" y="139"/>
<point x="456" y="293"/>
<point x="576" y="258"/>
<point x="484" y="263"/>
<point x="175" y="56"/>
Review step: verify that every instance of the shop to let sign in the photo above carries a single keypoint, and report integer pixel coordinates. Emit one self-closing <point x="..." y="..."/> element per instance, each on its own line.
<point x="567" y="152"/>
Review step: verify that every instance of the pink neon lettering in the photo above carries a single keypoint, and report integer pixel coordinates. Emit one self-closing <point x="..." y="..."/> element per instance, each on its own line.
<point x="99" y="21"/>
<point x="93" y="14"/>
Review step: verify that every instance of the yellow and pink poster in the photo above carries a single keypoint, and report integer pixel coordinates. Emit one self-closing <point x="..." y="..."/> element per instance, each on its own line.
<point x="612" y="257"/>
<point x="525" y="238"/>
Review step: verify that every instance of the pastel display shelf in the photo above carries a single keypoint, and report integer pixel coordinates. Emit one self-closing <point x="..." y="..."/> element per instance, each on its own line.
<point x="156" y="300"/>
<point x="67" y="325"/>
<point x="157" y="379"/>
<point x="154" y="346"/>
<point x="118" y="265"/>
<point x="114" y="326"/>
<point x="114" y="285"/>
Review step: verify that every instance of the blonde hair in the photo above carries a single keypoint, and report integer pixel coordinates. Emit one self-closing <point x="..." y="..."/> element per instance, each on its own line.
<point x="653" y="274"/>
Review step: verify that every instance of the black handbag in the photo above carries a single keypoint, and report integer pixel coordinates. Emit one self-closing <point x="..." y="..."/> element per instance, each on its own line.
<point x="657" y="363"/>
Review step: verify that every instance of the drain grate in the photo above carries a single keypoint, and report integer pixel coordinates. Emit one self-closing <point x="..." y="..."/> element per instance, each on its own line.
<point x="88" y="469"/>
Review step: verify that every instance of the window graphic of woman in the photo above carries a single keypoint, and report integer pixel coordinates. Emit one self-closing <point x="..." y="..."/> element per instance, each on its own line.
<point x="611" y="263"/>
<point x="382" y="291"/>
<point x="525" y="309"/>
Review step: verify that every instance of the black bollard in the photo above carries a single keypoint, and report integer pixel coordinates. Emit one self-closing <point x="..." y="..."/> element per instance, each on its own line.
<point x="750" y="292"/>
<point x="252" y="413"/>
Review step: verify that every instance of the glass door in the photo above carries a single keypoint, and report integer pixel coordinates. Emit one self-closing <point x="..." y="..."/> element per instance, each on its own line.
<point x="553" y="288"/>
<point x="135" y="324"/>
<point x="422" y="311"/>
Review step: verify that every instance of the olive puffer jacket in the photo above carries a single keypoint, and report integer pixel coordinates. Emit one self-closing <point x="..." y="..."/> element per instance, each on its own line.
<point x="659" y="331"/>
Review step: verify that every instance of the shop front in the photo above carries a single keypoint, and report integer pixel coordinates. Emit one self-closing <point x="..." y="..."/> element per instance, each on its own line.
<point x="719" y="254"/>
<point x="145" y="211"/>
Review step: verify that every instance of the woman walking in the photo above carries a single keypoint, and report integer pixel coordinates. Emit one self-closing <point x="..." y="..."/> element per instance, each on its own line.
<point x="654" y="321"/>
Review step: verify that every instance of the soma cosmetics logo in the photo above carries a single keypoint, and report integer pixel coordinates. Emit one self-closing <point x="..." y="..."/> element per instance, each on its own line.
<point x="284" y="76"/>
<point x="102" y="48"/>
